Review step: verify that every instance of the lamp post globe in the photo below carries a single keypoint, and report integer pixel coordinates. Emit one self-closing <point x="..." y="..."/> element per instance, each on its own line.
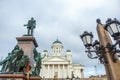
<point x="87" y="39"/>
<point x="113" y="27"/>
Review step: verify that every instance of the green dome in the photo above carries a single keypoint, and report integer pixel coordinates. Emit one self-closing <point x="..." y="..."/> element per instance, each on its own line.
<point x="45" y="51"/>
<point x="57" y="41"/>
<point x="68" y="51"/>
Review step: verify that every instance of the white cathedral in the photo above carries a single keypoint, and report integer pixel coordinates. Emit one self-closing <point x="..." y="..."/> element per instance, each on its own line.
<point x="59" y="64"/>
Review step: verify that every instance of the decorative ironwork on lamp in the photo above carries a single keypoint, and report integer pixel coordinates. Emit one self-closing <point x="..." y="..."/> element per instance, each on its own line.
<point x="113" y="27"/>
<point x="92" y="46"/>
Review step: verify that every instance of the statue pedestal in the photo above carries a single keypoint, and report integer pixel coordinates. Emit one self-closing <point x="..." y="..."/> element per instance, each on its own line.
<point x="28" y="43"/>
<point x="12" y="76"/>
<point x="18" y="77"/>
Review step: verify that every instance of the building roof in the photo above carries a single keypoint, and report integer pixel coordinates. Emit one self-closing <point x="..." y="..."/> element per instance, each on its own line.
<point x="57" y="41"/>
<point x="68" y="50"/>
<point x="45" y="51"/>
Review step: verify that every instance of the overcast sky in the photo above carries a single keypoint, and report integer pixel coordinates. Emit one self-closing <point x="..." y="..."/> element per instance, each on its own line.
<point x="62" y="19"/>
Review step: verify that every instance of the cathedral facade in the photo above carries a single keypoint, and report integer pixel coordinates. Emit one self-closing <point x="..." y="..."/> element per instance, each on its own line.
<point x="59" y="64"/>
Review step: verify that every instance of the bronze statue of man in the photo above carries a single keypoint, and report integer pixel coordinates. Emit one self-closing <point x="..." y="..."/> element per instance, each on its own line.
<point x="37" y="57"/>
<point x="30" y="26"/>
<point x="5" y="63"/>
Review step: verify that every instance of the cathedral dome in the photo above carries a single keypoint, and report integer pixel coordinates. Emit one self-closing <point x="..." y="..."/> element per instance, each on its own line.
<point x="57" y="41"/>
<point x="45" y="51"/>
<point x="68" y="50"/>
<point x="57" y="47"/>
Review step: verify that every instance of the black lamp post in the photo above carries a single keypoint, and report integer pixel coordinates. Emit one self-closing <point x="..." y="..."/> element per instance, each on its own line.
<point x="104" y="49"/>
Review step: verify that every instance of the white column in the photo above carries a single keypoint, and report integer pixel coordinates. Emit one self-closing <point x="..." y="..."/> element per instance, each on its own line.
<point x="41" y="71"/>
<point x="63" y="71"/>
<point x="82" y="74"/>
<point x="68" y="71"/>
<point x="58" y="71"/>
<point x="53" y="71"/>
<point x="44" y="71"/>
<point x="48" y="71"/>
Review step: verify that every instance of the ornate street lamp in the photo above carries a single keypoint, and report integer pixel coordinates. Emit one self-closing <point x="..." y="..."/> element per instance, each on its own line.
<point x="104" y="50"/>
<point x="88" y="43"/>
<point x="113" y="27"/>
<point x="87" y="39"/>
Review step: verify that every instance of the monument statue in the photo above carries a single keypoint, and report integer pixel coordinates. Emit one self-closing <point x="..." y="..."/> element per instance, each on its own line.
<point x="38" y="59"/>
<point x="5" y="63"/>
<point x="15" y="61"/>
<point x="22" y="63"/>
<point x="38" y="64"/>
<point x="30" y="26"/>
<point x="18" y="63"/>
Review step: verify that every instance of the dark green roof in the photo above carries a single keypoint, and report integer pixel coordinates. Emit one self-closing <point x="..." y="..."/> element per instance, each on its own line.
<point x="57" y="41"/>
<point x="45" y="51"/>
<point x="68" y="51"/>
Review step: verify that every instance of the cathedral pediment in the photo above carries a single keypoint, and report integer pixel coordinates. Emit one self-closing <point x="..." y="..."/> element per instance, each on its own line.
<point x="56" y="59"/>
